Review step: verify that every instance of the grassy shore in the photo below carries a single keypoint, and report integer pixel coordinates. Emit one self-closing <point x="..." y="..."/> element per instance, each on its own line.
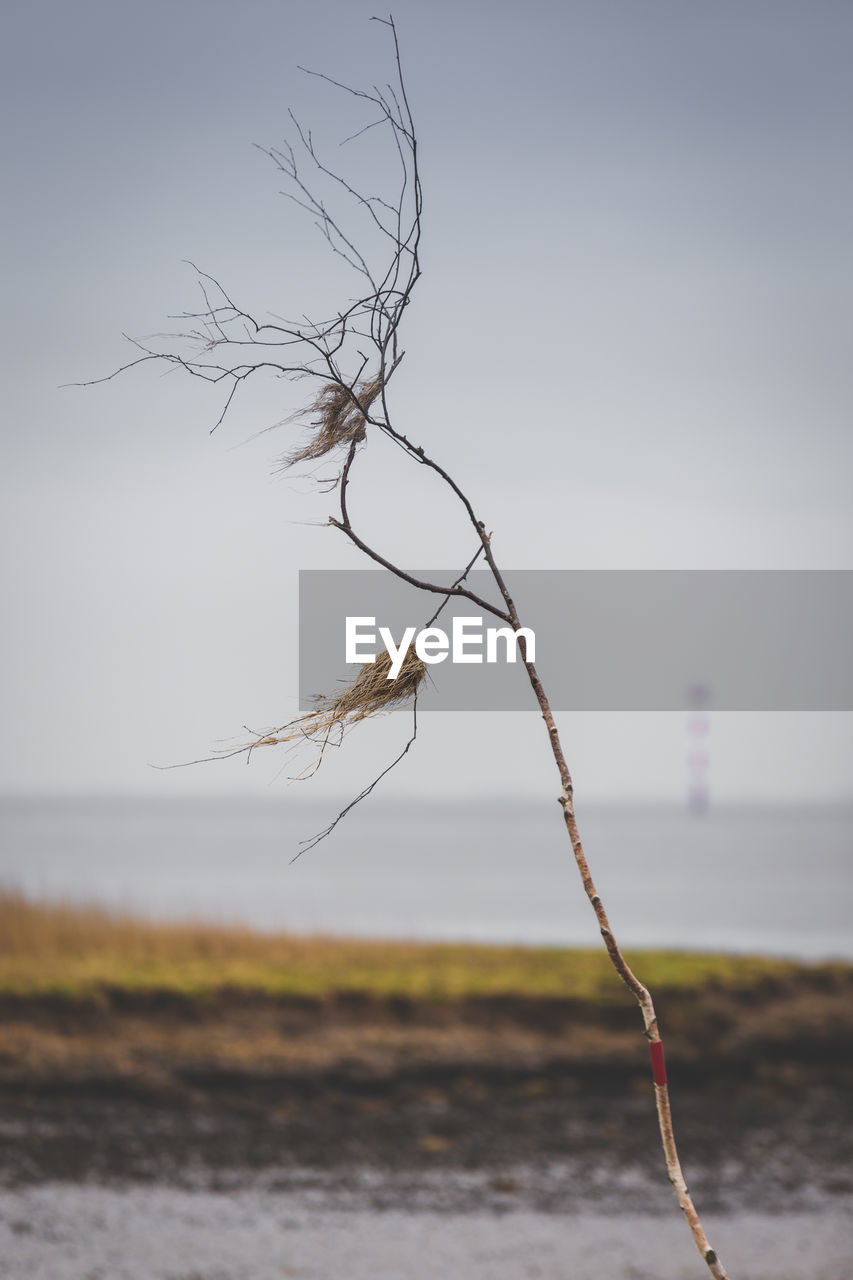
<point x="132" y="1050"/>
<point x="75" y="951"/>
<point x="93" y="1003"/>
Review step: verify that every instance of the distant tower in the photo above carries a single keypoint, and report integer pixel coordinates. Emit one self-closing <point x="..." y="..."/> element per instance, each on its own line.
<point x="698" y="748"/>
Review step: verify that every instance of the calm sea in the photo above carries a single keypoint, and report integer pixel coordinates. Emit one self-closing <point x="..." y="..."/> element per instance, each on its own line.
<point x="741" y="879"/>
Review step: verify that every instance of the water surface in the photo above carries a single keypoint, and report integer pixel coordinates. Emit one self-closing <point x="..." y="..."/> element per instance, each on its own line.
<point x="742" y="878"/>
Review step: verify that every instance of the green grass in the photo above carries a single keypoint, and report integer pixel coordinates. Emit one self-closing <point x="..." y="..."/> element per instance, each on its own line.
<point x="76" y="951"/>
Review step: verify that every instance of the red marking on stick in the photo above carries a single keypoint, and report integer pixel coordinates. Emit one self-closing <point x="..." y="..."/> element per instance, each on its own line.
<point x="658" y="1064"/>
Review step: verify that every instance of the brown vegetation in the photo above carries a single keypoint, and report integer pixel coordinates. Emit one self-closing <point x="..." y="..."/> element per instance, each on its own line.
<point x="89" y="1000"/>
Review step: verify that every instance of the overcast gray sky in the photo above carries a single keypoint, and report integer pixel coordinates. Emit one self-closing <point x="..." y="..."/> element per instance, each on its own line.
<point x="632" y="341"/>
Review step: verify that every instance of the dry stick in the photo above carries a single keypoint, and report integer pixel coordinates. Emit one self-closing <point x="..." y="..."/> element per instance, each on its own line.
<point x="644" y="999"/>
<point x="641" y="994"/>
<point x="673" y="1167"/>
<point x="566" y="800"/>
<point x="620" y="964"/>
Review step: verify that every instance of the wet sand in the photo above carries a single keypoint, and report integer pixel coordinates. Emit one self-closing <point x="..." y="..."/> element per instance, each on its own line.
<point x="529" y="1177"/>
<point x="61" y="1232"/>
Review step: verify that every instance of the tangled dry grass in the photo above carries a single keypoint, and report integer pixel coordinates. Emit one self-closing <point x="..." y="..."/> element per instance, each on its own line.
<point x="340" y="418"/>
<point x="371" y="693"/>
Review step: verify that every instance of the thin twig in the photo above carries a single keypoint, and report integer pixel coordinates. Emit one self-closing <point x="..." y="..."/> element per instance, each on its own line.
<point x="313" y="841"/>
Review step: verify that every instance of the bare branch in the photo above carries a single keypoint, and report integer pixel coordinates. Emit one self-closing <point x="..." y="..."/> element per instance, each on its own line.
<point x="434" y="587"/>
<point x="313" y="841"/>
<point x="354" y="354"/>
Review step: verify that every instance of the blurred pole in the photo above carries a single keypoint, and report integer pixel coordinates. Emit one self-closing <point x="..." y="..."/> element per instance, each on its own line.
<point x="698" y="748"/>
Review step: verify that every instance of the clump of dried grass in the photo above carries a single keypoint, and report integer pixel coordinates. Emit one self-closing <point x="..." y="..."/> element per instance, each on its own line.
<point x="340" y="418"/>
<point x="371" y="693"/>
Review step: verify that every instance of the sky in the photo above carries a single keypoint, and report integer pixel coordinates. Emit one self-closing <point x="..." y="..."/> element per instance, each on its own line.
<point x="631" y="342"/>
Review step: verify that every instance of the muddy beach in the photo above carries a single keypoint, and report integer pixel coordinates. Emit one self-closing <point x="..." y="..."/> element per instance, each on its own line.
<point x="243" y="1136"/>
